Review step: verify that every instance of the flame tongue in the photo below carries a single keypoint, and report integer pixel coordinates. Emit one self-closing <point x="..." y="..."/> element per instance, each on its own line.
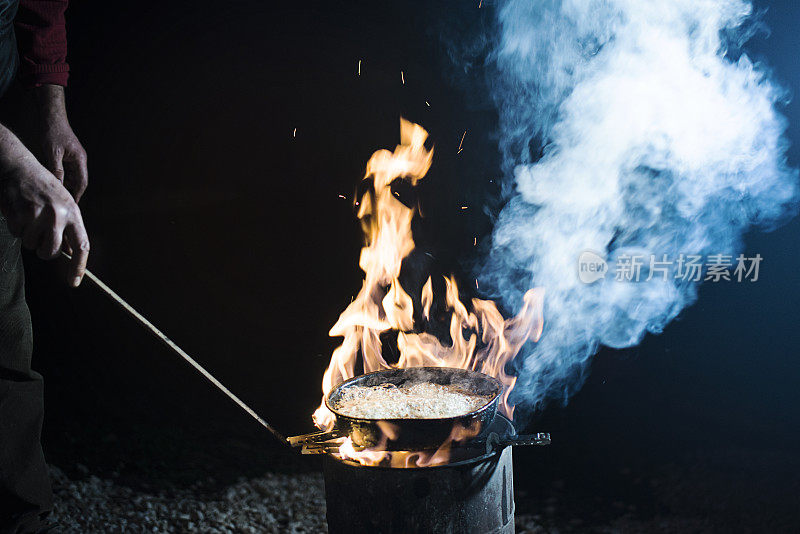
<point x="405" y="459"/>
<point x="481" y="339"/>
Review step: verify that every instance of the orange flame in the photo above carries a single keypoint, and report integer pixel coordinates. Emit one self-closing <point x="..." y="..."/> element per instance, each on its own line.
<point x="378" y="455"/>
<point x="383" y="305"/>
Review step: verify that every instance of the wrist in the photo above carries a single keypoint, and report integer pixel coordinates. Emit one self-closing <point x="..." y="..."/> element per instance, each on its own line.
<point x="50" y="102"/>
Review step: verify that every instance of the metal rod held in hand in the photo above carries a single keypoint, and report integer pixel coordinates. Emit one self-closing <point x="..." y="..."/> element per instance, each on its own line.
<point x="171" y="344"/>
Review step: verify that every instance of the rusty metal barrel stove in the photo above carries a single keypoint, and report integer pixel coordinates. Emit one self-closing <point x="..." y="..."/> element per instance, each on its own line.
<point x="472" y="495"/>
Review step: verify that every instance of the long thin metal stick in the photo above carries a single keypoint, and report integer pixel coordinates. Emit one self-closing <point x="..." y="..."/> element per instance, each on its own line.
<point x="171" y="344"/>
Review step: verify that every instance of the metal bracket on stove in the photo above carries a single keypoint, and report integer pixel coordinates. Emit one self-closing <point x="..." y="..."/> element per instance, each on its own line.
<point x="315" y="437"/>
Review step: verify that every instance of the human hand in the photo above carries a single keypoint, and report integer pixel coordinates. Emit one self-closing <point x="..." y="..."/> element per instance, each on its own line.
<point x="61" y="152"/>
<point x="40" y="210"/>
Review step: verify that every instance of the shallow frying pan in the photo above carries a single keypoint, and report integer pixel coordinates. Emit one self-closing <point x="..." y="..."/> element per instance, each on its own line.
<point x="411" y="434"/>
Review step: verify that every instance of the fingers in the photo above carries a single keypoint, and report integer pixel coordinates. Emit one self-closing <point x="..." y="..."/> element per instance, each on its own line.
<point x="44" y="233"/>
<point x="38" y="224"/>
<point x="75" y="236"/>
<point x="49" y="245"/>
<point x="32" y="236"/>
<point x="76" y="173"/>
<point x="54" y="161"/>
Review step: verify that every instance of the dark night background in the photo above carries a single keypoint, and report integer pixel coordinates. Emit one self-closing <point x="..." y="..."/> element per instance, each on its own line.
<point x="228" y="232"/>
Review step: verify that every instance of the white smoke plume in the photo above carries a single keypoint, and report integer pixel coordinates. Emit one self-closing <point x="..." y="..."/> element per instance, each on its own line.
<point x="654" y="140"/>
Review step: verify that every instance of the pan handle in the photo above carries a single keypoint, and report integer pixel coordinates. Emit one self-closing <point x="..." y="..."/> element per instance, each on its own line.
<point x="540" y="438"/>
<point x="315" y="437"/>
<point x="494" y="441"/>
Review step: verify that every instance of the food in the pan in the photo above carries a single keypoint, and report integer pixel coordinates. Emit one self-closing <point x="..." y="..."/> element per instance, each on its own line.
<point x="422" y="400"/>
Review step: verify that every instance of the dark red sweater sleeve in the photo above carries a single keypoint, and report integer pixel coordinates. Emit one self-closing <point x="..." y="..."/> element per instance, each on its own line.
<point x="42" y="39"/>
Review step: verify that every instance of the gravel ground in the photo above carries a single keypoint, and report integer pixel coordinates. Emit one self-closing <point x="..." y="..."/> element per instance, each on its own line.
<point x="727" y="492"/>
<point x="274" y="503"/>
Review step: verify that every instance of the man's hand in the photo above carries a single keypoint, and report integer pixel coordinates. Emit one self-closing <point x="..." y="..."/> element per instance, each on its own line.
<point x="39" y="209"/>
<point x="61" y="152"/>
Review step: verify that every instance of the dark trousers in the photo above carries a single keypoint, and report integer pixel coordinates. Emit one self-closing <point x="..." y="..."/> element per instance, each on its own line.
<point x="25" y="493"/>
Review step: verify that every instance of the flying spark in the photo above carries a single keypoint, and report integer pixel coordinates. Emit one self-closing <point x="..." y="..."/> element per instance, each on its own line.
<point x="342" y="196"/>
<point x="462" y="142"/>
<point x="359" y="67"/>
<point x="294" y="132"/>
<point x="402" y="77"/>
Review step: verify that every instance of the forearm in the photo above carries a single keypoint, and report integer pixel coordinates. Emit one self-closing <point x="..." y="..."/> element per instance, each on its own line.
<point x="13" y="153"/>
<point x="50" y="102"/>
